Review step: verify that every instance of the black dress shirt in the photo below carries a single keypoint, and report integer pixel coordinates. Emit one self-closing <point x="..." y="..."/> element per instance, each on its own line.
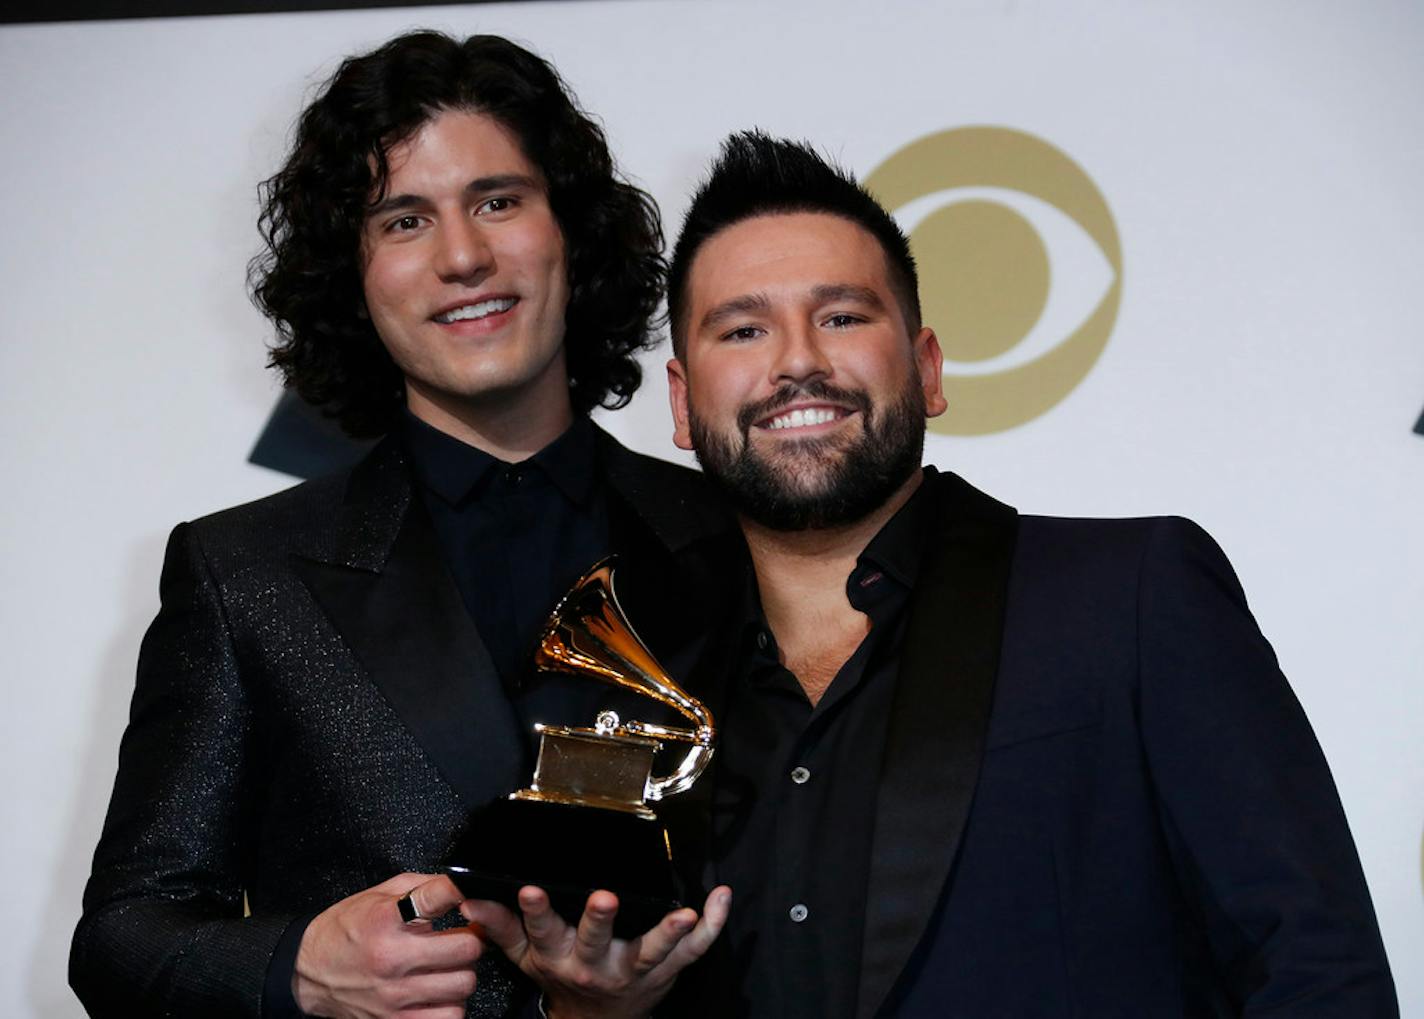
<point x="795" y="793"/>
<point x="515" y="537"/>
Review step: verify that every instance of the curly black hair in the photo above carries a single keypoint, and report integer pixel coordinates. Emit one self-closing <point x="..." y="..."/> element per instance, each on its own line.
<point x="308" y="280"/>
<point x="758" y="175"/>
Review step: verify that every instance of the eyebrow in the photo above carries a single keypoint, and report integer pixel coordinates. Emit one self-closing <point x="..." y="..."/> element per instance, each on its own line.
<point x="746" y="303"/>
<point x="478" y="186"/>
<point x="828" y="293"/>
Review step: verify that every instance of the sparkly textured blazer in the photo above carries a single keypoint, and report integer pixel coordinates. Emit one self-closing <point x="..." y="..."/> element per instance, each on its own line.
<point x="297" y="727"/>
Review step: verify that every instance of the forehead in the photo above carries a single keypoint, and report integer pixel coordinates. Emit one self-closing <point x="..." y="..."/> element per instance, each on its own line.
<point x="453" y="147"/>
<point x="784" y="254"/>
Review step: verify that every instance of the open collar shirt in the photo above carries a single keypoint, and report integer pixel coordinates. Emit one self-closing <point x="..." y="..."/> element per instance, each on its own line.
<point x="795" y="792"/>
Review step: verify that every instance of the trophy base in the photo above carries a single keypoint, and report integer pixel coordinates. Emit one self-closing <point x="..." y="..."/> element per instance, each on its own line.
<point x="585" y="800"/>
<point x="569" y="851"/>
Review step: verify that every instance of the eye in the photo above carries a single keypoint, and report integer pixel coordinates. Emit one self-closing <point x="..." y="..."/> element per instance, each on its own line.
<point x="404" y="224"/>
<point x="842" y="320"/>
<point x="500" y="203"/>
<point x="741" y="334"/>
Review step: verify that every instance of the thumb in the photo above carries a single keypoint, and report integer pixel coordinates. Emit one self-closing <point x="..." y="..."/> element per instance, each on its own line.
<point x="499" y="923"/>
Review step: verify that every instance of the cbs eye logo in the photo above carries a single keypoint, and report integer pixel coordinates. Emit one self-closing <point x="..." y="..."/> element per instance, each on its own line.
<point x="983" y="206"/>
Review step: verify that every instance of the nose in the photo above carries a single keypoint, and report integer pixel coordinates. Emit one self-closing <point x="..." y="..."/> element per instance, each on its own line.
<point x="800" y="356"/>
<point x="464" y="252"/>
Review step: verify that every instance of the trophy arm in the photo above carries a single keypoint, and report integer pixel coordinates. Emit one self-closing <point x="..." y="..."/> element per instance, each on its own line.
<point x="693" y="763"/>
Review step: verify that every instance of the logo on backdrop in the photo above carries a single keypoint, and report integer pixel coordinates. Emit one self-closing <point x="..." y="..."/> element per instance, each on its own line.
<point x="1020" y="268"/>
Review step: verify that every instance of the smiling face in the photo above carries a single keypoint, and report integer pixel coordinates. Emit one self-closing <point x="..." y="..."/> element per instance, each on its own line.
<point x="799" y="386"/>
<point x="465" y="279"/>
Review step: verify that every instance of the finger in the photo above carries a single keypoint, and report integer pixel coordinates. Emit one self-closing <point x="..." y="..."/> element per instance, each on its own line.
<point x="499" y="924"/>
<point x="700" y="938"/>
<point x="546" y="929"/>
<point x="595" y="928"/>
<point x="442" y="951"/>
<point x="434" y="896"/>
<point x="658" y="943"/>
<point x="717" y="909"/>
<point x="449" y="987"/>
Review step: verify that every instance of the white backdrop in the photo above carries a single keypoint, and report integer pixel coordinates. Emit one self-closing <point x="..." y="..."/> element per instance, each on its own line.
<point x="1261" y="161"/>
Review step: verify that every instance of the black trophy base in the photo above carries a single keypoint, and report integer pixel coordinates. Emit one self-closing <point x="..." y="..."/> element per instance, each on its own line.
<point x="569" y="852"/>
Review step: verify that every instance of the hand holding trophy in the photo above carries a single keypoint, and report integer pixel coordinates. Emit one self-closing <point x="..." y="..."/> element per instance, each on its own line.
<point x="584" y="822"/>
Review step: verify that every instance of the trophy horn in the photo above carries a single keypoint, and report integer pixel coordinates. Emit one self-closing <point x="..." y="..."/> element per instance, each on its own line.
<point x="588" y="634"/>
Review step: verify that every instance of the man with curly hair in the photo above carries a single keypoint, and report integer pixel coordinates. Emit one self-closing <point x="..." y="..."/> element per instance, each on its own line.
<point x="336" y="675"/>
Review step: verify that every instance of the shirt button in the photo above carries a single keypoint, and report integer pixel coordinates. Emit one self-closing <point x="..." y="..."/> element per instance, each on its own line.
<point x="800" y="775"/>
<point x="799" y="913"/>
<point x="514" y="475"/>
<point x="762" y="639"/>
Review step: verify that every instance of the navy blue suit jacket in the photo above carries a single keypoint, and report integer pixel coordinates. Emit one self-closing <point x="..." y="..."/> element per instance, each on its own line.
<point x="1099" y="797"/>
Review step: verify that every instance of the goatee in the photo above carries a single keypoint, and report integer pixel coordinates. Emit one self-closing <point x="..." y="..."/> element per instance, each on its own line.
<point x="817" y="482"/>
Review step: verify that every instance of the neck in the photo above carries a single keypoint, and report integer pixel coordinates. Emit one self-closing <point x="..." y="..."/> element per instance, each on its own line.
<point x="510" y="429"/>
<point x="802" y="574"/>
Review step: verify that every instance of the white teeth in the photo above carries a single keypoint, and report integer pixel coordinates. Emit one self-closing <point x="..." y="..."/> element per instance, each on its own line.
<point x="480" y="310"/>
<point x="803" y="418"/>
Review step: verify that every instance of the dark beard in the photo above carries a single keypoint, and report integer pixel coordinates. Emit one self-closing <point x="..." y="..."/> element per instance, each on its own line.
<point x="852" y="481"/>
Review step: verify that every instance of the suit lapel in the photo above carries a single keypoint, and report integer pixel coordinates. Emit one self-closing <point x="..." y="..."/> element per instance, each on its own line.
<point x="937" y="726"/>
<point x="384" y="586"/>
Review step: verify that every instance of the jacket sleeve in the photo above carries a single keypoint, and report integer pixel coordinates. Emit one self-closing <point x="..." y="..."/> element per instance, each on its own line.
<point x="163" y="931"/>
<point x="1250" y="812"/>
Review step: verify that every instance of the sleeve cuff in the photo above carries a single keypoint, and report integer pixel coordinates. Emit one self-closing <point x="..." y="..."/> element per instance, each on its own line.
<point x="278" y="1002"/>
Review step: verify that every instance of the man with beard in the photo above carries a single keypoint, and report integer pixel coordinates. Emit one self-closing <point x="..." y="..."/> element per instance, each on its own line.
<point x="974" y="762"/>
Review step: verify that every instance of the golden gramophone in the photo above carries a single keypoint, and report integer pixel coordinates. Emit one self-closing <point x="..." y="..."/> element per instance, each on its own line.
<point x="584" y="822"/>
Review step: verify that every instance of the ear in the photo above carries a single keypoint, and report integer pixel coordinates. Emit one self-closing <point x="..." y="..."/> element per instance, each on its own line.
<point x="677" y="399"/>
<point x="929" y="364"/>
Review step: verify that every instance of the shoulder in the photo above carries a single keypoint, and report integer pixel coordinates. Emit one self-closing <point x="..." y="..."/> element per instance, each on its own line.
<point x="1072" y="547"/>
<point x="626" y="467"/>
<point x="1147" y="556"/>
<point x="679" y="503"/>
<point x="281" y="518"/>
<point x="313" y="517"/>
<point x="1127" y="538"/>
<point x="1109" y="535"/>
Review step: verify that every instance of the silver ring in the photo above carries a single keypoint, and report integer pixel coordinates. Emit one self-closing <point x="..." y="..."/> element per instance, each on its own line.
<point x="408" y="911"/>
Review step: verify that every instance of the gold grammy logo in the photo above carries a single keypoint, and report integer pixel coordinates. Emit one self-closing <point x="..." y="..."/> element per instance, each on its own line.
<point x="1018" y="337"/>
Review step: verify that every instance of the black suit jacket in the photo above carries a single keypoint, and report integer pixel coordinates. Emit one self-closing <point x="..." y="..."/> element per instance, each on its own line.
<point x="1098" y="796"/>
<point x="300" y="717"/>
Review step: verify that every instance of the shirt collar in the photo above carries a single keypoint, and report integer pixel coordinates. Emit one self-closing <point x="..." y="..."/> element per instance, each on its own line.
<point x="571" y="460"/>
<point x="898" y="547"/>
<point x="895" y="553"/>
<point x="453" y="469"/>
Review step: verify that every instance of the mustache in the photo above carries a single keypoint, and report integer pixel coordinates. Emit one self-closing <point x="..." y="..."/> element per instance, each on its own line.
<point x="788" y="394"/>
